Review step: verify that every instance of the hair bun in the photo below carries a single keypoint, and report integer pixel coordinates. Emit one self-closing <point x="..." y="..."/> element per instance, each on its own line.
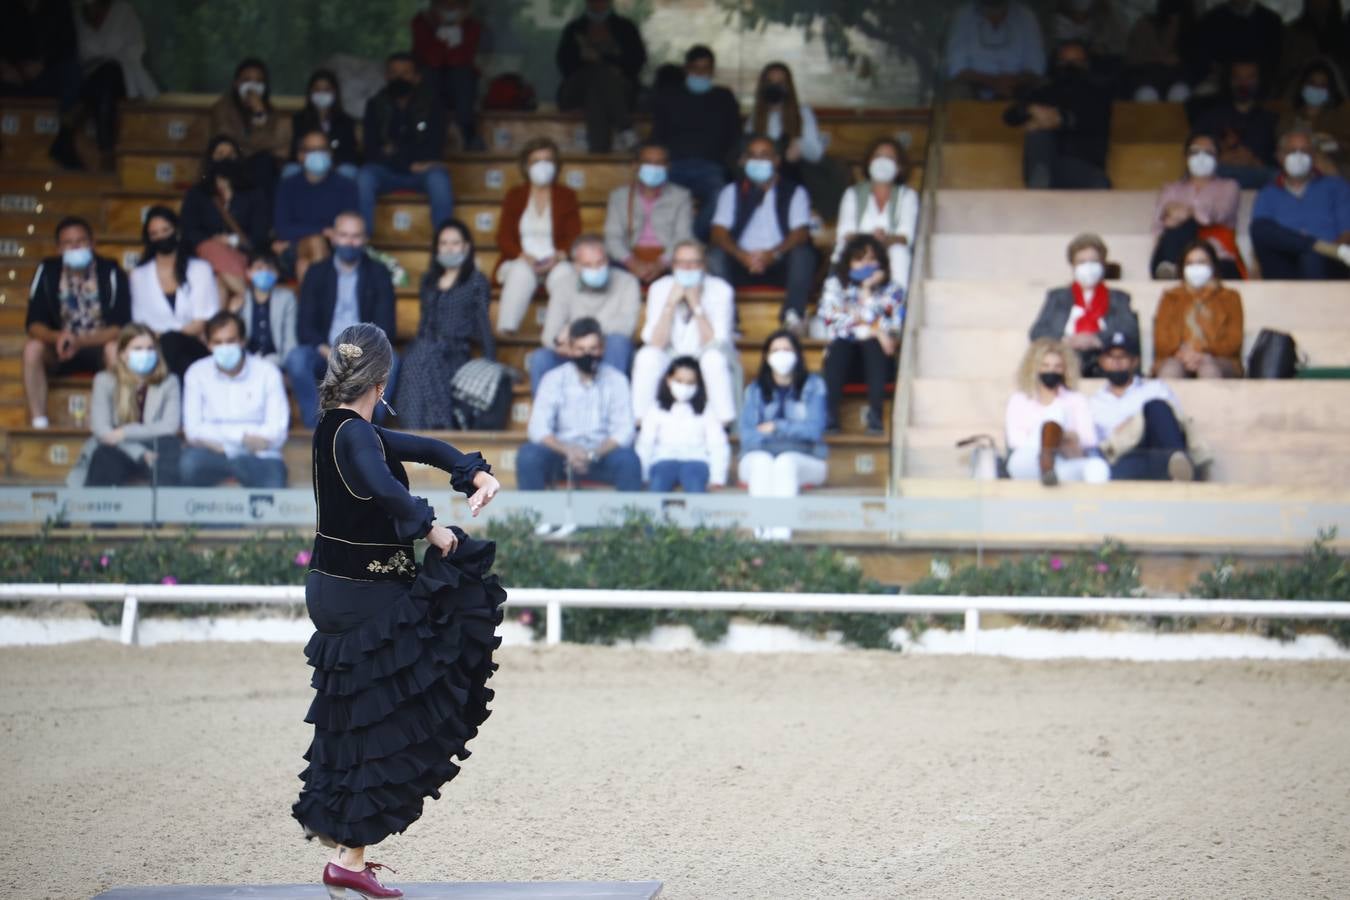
<point x="349" y="351"/>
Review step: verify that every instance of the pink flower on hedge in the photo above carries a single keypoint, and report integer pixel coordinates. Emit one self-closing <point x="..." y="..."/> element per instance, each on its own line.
<point x="526" y="617"/>
<point x="169" y="580"/>
<point x="757" y="562"/>
<point x="302" y="558"/>
<point x="104" y="561"/>
<point x="1103" y="568"/>
<point x="1056" y="563"/>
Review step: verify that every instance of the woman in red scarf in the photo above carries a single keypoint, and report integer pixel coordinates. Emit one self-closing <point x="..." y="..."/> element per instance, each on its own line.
<point x="1080" y="313"/>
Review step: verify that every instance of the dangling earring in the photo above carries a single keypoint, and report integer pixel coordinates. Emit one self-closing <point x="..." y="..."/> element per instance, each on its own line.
<point x="386" y="404"/>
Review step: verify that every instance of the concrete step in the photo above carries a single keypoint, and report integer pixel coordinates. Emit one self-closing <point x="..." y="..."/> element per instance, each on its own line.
<point x="1049" y="212"/>
<point x="1012" y="256"/>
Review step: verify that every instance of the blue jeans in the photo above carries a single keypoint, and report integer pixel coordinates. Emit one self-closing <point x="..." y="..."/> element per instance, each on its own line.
<point x="458" y="87"/>
<point x="305" y="367"/>
<point x="1162" y="437"/>
<point x="692" y="475"/>
<point x="618" y="353"/>
<point x="705" y="180"/>
<point x="375" y="179"/>
<point x="200" y="467"/>
<point x="538" y="467"/>
<point x="1288" y="255"/>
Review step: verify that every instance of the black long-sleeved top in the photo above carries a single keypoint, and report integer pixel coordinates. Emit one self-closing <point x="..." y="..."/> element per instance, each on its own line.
<point x="341" y="133"/>
<point x="398" y="136"/>
<point x="1086" y="110"/>
<point x="697" y="126"/>
<point x="628" y="55"/>
<point x="201" y="218"/>
<point x="1224" y="36"/>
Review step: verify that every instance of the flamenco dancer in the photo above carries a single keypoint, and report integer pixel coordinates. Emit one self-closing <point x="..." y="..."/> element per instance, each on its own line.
<point x="401" y="653"/>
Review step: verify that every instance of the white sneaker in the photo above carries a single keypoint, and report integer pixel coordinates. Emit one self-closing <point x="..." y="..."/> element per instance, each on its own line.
<point x="543" y="530"/>
<point x="41" y="423"/>
<point x="564" y="532"/>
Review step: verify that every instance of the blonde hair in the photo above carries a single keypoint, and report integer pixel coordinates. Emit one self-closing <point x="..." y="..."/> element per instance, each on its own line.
<point x="359" y="360"/>
<point x="125" y="407"/>
<point x="1030" y="368"/>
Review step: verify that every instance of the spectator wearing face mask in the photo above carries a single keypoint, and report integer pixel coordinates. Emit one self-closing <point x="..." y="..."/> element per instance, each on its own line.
<point x="404" y="134"/>
<point x="863" y="308"/>
<point x="783" y="427"/>
<point x="1199" y="206"/>
<point x="1066" y="125"/>
<point x="882" y="206"/>
<point x="245" y="113"/>
<point x="1087" y="309"/>
<point x="1161" y="62"/>
<point x="1301" y="221"/>
<point x="308" y="200"/>
<point x="1137" y="419"/>
<point x="323" y="112"/>
<point x="600" y="56"/>
<point x="791" y="124"/>
<point x="77" y="304"/>
<point x="588" y="287"/>
<point x="1244" y="128"/>
<point x="581" y="423"/>
<point x="994" y="49"/>
<point x="172" y="292"/>
<point x="1197" y="331"/>
<point x="689" y="315"/>
<point x="235" y="414"/>
<point x="1318" y="105"/>
<point x="538" y="223"/>
<point x="1241" y="30"/>
<point x="269" y="311"/>
<point x="445" y="39"/>
<point x="648" y="217"/>
<point x="1321" y="32"/>
<point x="1048" y="423"/>
<point x="134" y="413"/>
<point x="681" y="444"/>
<point x="224" y="218"/>
<point x="761" y="232"/>
<point x="699" y="122"/>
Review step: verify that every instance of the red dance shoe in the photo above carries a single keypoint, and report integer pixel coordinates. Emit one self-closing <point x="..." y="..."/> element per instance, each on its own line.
<point x="339" y="881"/>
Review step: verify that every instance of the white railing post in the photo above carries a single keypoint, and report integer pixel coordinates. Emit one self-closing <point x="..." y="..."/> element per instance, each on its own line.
<point x="972" y="629"/>
<point x="130" y="615"/>
<point x="553" y="623"/>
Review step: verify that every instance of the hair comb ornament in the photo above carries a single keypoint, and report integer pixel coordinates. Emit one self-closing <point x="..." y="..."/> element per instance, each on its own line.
<point x="349" y="351"/>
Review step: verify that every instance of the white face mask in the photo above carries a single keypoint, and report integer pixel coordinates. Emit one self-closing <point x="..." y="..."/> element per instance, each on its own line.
<point x="1297" y="164"/>
<point x="783" y="362"/>
<point x="542" y="172"/>
<point x="251" y="87"/>
<point x="1088" y="274"/>
<point x="883" y="169"/>
<point x="682" y="392"/>
<point x="1198" y="274"/>
<point x="1201" y="164"/>
<point x="1315" y="95"/>
<point x="322" y="99"/>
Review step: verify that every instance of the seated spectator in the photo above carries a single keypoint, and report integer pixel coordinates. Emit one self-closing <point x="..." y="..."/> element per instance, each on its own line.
<point x="1095" y="25"/>
<point x="445" y="38"/>
<point x="700" y="124"/>
<point x="1197" y="331"/>
<point x="1137" y="419"/>
<point x="262" y="134"/>
<point x="235" y="414"/>
<point x="538" y="223"/>
<point x="1301" y="221"/>
<point x="1200" y="205"/>
<point x="600" y="56"/>
<point x="404" y="134"/>
<point x="994" y="49"/>
<point x="308" y="201"/>
<point x="1241" y="30"/>
<point x="681" y="443"/>
<point x="172" y="292"/>
<point x="792" y="126"/>
<point x="1049" y="423"/>
<point x="323" y="112"/>
<point x="783" y="427"/>
<point x="863" y="308"/>
<point x="1067" y="126"/>
<point x="882" y="206"/>
<point x="647" y="218"/>
<point x="690" y="314"/>
<point x="134" y="413"/>
<point x="348" y="289"/>
<point x="1244" y="127"/>
<point x="1087" y="309"/>
<point x="761" y="233"/>
<point x="224" y="218"/>
<point x="454" y="298"/>
<point x="1160" y="57"/>
<point x="588" y="287"/>
<point x="77" y="306"/>
<point x="1318" y="105"/>
<point x="37" y="50"/>
<point x="269" y="311"/>
<point x="111" y="45"/>
<point x="1320" y="32"/>
<point x="581" y="424"/>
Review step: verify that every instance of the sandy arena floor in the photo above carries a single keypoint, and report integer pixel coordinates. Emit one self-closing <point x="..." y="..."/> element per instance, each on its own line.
<point x="845" y="775"/>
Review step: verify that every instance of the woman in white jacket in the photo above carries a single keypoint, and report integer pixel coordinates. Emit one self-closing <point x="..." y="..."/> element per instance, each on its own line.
<point x="681" y="442"/>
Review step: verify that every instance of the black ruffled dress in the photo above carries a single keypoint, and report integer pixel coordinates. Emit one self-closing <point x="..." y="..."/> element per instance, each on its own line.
<point x="401" y="653"/>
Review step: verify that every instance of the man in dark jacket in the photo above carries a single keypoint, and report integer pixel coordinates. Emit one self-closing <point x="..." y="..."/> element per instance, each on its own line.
<point x="77" y="305"/>
<point x="404" y="133"/>
<point x="1067" y="124"/>
<point x="345" y="290"/>
<point x="600" y="56"/>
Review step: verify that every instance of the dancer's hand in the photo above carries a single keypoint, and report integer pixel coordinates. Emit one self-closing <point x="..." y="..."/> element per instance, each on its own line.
<point x="443" y="539"/>
<point x="488" y="487"/>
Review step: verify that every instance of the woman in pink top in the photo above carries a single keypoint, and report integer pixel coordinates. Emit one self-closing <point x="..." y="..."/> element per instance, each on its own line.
<point x="1048" y="423"/>
<point x="1198" y="207"/>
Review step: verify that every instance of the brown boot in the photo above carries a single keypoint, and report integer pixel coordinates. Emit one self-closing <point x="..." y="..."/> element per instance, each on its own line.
<point x="1052" y="435"/>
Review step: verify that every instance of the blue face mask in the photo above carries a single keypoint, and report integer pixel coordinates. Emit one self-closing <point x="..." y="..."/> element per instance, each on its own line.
<point x="759" y="170"/>
<point x="318" y="162"/>
<point x="596" y="278"/>
<point x="862" y="273"/>
<point x="142" y="362"/>
<point x="77" y="258"/>
<point x="349" y="253"/>
<point x="227" y="356"/>
<point x="688" y="277"/>
<point x="263" y="280"/>
<point x="698" y="84"/>
<point x="652" y="175"/>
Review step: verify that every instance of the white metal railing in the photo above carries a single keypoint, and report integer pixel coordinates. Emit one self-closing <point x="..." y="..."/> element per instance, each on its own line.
<point x="555" y="600"/>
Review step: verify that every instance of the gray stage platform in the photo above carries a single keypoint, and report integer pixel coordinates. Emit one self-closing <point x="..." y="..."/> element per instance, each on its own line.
<point x="469" y="890"/>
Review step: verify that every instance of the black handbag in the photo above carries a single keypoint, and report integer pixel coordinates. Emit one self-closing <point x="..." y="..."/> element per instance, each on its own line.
<point x="1274" y="355"/>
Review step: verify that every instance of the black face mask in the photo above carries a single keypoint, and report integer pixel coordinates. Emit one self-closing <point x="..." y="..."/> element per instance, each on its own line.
<point x="588" y="364"/>
<point x="400" y="88"/>
<point x="773" y="93"/>
<point x="165" y="246"/>
<point x="1119" y="378"/>
<point x="1052" y="380"/>
<point x="225" y="168"/>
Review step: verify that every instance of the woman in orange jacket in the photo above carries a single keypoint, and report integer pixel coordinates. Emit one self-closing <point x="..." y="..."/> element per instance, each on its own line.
<point x="1197" y="332"/>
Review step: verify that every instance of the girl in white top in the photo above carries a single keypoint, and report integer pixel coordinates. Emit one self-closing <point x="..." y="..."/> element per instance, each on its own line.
<point x="680" y="442"/>
<point x="779" y="116"/>
<point x="172" y="292"/>
<point x="883" y="207"/>
<point x="1049" y="424"/>
<point x="689" y="313"/>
